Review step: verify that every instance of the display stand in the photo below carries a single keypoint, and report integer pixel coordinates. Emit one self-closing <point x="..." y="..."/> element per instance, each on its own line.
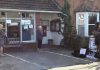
<point x="92" y="48"/>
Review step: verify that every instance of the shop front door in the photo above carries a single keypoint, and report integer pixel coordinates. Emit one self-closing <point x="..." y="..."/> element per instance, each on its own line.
<point x="27" y="31"/>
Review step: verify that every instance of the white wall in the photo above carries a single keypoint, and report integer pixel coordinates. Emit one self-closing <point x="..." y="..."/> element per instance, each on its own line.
<point x="51" y="35"/>
<point x="45" y="39"/>
<point x="56" y="38"/>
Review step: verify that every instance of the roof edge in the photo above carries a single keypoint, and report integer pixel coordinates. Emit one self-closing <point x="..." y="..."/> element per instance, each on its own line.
<point x="38" y="11"/>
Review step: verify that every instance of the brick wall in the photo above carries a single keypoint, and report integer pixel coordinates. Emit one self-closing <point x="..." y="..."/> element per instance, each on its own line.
<point x="37" y="19"/>
<point x="76" y="4"/>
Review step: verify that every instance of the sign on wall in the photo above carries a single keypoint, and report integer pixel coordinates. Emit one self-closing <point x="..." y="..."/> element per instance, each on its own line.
<point x="8" y="21"/>
<point x="92" y="45"/>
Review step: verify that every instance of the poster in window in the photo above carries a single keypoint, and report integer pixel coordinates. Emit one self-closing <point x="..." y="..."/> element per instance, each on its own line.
<point x="25" y="26"/>
<point x="24" y="22"/>
<point x="8" y="21"/>
<point x="30" y="26"/>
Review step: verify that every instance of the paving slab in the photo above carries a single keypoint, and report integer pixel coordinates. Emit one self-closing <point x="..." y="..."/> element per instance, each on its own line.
<point x="47" y="60"/>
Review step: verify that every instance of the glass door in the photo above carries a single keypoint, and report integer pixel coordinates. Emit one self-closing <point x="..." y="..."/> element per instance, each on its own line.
<point x="27" y="30"/>
<point x="27" y="27"/>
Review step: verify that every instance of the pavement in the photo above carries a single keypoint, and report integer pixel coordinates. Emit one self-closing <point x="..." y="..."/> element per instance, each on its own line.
<point x="44" y="59"/>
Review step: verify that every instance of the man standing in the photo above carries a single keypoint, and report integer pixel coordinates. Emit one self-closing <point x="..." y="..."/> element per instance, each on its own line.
<point x="39" y="36"/>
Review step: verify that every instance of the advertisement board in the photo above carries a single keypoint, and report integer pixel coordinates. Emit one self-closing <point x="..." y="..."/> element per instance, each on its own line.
<point x="92" y="45"/>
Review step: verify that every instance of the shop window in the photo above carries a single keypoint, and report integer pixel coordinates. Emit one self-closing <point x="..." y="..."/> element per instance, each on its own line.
<point x="27" y="15"/>
<point x="13" y="28"/>
<point x="55" y="25"/>
<point x="13" y="14"/>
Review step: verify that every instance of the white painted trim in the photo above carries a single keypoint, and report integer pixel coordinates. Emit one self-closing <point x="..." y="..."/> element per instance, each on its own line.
<point x="77" y="21"/>
<point x="21" y="30"/>
<point x="30" y="41"/>
<point x="98" y="15"/>
<point x="35" y="27"/>
<point x="86" y="23"/>
<point x="19" y="10"/>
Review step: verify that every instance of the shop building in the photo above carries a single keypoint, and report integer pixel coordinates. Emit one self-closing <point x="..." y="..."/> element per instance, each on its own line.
<point x="20" y="19"/>
<point x="84" y="13"/>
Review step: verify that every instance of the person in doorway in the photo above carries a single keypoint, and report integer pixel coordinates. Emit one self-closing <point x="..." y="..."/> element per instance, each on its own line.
<point x="2" y="36"/>
<point x="39" y="36"/>
<point x="97" y="36"/>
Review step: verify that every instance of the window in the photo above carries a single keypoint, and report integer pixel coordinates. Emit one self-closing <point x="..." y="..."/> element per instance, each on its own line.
<point x="13" y="15"/>
<point x="20" y="25"/>
<point x="27" y="15"/>
<point x="91" y="23"/>
<point x="81" y="26"/>
<point x="85" y="23"/>
<point x="55" y="25"/>
<point x="13" y="28"/>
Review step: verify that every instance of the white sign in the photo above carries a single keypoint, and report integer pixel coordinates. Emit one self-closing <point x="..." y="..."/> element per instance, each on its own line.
<point x="24" y="22"/>
<point x="31" y="26"/>
<point x="8" y="21"/>
<point x="82" y="51"/>
<point x="92" y="45"/>
<point x="25" y="26"/>
<point x="14" y="24"/>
